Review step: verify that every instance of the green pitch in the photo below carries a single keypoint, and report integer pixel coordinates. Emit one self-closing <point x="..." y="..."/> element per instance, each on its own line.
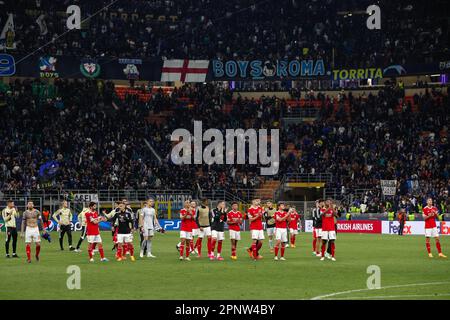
<point x="406" y="272"/>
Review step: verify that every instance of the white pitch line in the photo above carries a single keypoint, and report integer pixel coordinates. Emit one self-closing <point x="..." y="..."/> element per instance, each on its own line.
<point x="367" y="289"/>
<point x="400" y="296"/>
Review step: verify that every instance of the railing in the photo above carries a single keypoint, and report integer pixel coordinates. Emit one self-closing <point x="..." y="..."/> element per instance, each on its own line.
<point x="103" y="195"/>
<point x="308" y="177"/>
<point x="301" y="113"/>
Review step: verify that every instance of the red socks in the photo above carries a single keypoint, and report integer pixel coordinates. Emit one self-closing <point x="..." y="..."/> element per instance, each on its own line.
<point x="38" y="249"/>
<point x="258" y="247"/>
<point x="213" y="245"/>
<point x="255" y="252"/>
<point x="182" y="249"/>
<point x="323" y="249"/>
<point x="276" y="251"/>
<point x="90" y="249"/>
<point x="198" y="245"/>
<point x="209" y="246"/>
<point x="119" y="251"/>
<point x="130" y="248"/>
<point x="28" y="249"/>
<point x="282" y="251"/>
<point x="428" y="247"/>
<point x="191" y="245"/>
<point x="293" y="240"/>
<point x="314" y="244"/>
<point x="102" y="253"/>
<point x="219" y="247"/>
<point x="438" y="247"/>
<point x="233" y="250"/>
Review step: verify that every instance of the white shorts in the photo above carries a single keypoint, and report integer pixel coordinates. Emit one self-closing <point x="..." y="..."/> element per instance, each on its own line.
<point x="328" y="235"/>
<point x="270" y="231"/>
<point x="317" y="232"/>
<point x="148" y="232"/>
<point x="293" y="231"/>
<point x="94" y="239"/>
<point x="127" y="238"/>
<point x="186" y="235"/>
<point x="257" y="234"/>
<point x="195" y="232"/>
<point x="32" y="235"/>
<point x="281" y="234"/>
<point x="235" y="235"/>
<point x="206" y="232"/>
<point x="431" y="232"/>
<point x="219" y="235"/>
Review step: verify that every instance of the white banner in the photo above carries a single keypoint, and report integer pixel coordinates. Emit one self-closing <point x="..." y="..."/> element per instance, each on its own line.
<point x="86" y="197"/>
<point x="184" y="70"/>
<point x="413" y="227"/>
<point x="388" y="187"/>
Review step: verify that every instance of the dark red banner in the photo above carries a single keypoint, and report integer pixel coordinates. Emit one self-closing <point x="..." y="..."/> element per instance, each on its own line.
<point x="359" y="226"/>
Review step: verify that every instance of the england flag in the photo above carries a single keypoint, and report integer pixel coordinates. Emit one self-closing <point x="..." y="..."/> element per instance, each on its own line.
<point x="185" y="70"/>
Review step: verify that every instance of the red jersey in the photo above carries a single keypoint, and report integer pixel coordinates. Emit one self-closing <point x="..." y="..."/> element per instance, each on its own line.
<point x="431" y="222"/>
<point x="328" y="220"/>
<point x="234" y="215"/>
<point x="255" y="212"/>
<point x="280" y="224"/>
<point x="293" y="224"/>
<point x="193" y="222"/>
<point x="92" y="229"/>
<point x="186" y="224"/>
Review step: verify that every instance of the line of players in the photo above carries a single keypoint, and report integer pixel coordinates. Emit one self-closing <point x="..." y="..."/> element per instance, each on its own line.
<point x="121" y="217"/>
<point x="201" y="222"/>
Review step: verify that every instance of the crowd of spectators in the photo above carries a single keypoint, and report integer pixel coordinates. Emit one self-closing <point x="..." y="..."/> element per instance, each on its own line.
<point x="77" y="135"/>
<point x="412" y="31"/>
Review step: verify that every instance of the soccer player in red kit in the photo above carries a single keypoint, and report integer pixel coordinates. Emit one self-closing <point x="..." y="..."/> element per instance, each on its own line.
<point x="195" y="229"/>
<point x="328" y="230"/>
<point x="186" y="217"/>
<point x="255" y="216"/>
<point x="93" y="232"/>
<point x="234" y="221"/>
<point x="430" y="213"/>
<point x="281" y="223"/>
<point x="293" y="224"/>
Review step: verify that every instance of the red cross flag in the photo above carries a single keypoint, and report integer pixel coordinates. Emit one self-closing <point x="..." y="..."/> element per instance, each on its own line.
<point x="185" y="70"/>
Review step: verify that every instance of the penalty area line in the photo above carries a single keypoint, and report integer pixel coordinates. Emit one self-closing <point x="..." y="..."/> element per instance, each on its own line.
<point x="381" y="288"/>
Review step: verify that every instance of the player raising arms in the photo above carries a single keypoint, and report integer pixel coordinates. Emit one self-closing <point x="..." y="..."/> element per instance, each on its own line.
<point x="31" y="219"/>
<point x="219" y="217"/>
<point x="430" y="214"/>
<point x="294" y="217"/>
<point x="281" y="222"/>
<point x="125" y="228"/>
<point x="317" y="227"/>
<point x="234" y="221"/>
<point x="186" y="217"/>
<point x="255" y="215"/>
<point x="93" y="232"/>
<point x="328" y="229"/>
<point x="269" y="211"/>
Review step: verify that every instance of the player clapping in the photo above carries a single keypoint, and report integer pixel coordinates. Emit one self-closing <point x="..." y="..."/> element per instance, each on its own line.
<point x="93" y="232"/>
<point x="328" y="230"/>
<point x="293" y="225"/>
<point x="281" y="222"/>
<point x="234" y="221"/>
<point x="430" y="214"/>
